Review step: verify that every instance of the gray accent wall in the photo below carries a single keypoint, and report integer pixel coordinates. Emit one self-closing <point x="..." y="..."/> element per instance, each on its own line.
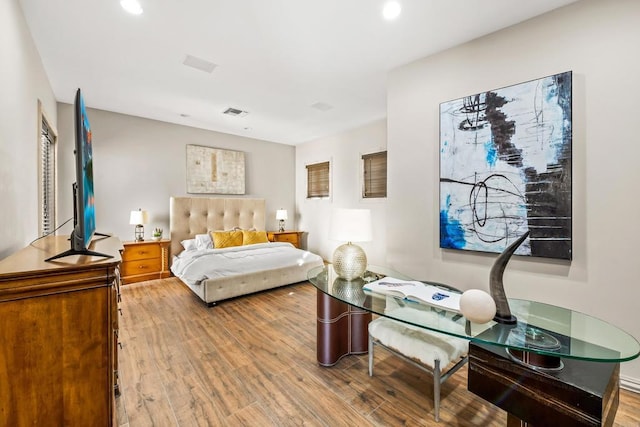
<point x="140" y="163"/>
<point x="23" y="82"/>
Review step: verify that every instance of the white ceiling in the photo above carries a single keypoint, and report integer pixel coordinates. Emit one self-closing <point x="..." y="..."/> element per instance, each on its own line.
<point x="275" y="58"/>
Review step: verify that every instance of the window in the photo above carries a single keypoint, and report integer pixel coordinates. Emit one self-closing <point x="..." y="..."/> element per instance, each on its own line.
<point x="318" y="180"/>
<point x="47" y="178"/>
<point x="375" y="175"/>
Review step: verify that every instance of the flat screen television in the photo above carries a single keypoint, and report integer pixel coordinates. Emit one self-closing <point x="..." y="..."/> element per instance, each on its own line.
<point x="84" y="212"/>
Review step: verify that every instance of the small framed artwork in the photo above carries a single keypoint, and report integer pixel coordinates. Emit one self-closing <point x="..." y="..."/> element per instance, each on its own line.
<point x="215" y="171"/>
<point x="505" y="169"/>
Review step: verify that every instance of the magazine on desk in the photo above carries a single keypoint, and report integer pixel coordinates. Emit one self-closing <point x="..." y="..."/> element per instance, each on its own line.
<point x="416" y="291"/>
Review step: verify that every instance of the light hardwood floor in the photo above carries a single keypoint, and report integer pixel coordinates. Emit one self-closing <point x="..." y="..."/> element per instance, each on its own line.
<point x="252" y="361"/>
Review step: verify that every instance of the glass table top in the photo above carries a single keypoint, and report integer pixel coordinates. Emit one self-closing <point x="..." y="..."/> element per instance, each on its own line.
<point x="541" y="328"/>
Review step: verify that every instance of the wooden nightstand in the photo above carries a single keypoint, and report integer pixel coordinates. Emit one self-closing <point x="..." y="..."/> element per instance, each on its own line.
<point x="293" y="237"/>
<point x="147" y="260"/>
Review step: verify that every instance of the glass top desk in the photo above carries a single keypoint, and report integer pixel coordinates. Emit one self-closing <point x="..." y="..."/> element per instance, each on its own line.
<point x="541" y="328"/>
<point x="551" y="351"/>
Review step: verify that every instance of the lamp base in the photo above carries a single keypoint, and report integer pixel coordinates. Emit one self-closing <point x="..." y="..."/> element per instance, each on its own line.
<point x="139" y="233"/>
<point x="349" y="261"/>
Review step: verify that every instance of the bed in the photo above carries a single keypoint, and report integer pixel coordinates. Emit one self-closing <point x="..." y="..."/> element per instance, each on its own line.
<point x="218" y="273"/>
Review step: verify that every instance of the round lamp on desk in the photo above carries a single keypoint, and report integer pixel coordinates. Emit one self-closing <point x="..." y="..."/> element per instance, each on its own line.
<point x="350" y="225"/>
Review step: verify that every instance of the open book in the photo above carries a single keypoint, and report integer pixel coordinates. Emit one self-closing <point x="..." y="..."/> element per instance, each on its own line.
<point x="416" y="291"/>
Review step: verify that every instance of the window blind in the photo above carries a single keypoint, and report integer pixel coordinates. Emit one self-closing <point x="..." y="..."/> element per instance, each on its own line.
<point x="375" y="175"/>
<point x="318" y="180"/>
<point x="47" y="179"/>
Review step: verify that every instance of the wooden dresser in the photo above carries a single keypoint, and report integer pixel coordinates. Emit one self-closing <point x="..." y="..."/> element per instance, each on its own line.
<point x="147" y="260"/>
<point x="58" y="323"/>
<point x="293" y="237"/>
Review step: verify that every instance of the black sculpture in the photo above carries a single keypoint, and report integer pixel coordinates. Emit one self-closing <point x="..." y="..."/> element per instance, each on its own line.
<point x="496" y="288"/>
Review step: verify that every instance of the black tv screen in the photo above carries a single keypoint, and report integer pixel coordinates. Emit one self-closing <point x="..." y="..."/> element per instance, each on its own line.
<point x="86" y="211"/>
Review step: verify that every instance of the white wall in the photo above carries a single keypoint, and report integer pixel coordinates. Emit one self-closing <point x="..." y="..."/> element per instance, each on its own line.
<point x="140" y="163"/>
<point x="599" y="41"/>
<point x="344" y="151"/>
<point x="23" y="82"/>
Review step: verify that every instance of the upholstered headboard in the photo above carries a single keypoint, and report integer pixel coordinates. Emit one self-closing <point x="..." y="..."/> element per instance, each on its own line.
<point x="198" y="215"/>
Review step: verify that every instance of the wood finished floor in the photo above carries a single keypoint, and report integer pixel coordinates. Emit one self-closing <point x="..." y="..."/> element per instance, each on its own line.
<point x="252" y="361"/>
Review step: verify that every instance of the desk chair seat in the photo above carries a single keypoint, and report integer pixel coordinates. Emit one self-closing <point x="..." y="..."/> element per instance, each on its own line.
<point x="425" y="349"/>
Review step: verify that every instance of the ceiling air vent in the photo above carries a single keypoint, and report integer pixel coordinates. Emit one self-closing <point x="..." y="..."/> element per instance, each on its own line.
<point x="199" y="64"/>
<point x="235" y="112"/>
<point x="322" y="106"/>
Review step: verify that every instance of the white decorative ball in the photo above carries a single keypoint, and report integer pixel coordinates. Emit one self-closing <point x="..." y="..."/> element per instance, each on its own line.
<point x="477" y="306"/>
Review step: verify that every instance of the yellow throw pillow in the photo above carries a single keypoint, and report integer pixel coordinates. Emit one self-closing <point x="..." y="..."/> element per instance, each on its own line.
<point x="226" y="239"/>
<point x="252" y="237"/>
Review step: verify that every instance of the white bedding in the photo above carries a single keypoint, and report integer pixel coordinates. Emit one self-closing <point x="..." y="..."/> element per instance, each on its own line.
<point x="194" y="266"/>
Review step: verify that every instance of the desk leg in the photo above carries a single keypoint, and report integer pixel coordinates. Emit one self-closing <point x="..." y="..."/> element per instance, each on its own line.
<point x="581" y="394"/>
<point x="341" y="330"/>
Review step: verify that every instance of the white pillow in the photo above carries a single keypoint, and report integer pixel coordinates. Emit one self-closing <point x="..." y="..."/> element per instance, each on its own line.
<point x="203" y="241"/>
<point x="189" y="244"/>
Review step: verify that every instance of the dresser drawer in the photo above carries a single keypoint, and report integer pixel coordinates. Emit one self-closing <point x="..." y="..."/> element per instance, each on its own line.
<point x="143" y="266"/>
<point x="141" y="251"/>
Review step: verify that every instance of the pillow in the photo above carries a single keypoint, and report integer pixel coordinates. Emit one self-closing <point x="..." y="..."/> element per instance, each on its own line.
<point x="252" y="237"/>
<point x="203" y="241"/>
<point x="189" y="244"/>
<point x="226" y="239"/>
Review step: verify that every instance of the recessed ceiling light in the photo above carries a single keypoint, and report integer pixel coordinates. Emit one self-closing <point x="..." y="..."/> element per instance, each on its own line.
<point x="391" y="10"/>
<point x="131" y="6"/>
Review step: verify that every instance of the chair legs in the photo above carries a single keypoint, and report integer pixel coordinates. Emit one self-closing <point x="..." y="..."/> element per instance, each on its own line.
<point x="438" y="377"/>
<point x="370" y="356"/>
<point x="436" y="390"/>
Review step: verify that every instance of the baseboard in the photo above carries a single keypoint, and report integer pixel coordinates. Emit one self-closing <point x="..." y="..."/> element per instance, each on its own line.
<point x="631" y="384"/>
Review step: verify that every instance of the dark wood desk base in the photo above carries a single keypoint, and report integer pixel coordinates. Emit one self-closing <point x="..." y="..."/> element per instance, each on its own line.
<point x="581" y="394"/>
<point x="341" y="330"/>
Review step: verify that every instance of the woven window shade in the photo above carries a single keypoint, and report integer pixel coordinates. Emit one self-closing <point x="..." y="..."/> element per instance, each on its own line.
<point x="318" y="180"/>
<point x="375" y="175"/>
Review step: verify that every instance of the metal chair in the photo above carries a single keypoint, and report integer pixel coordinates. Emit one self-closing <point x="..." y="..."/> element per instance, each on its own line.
<point x="427" y="350"/>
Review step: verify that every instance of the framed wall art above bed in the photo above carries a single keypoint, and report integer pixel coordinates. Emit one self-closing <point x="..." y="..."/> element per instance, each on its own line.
<point x="214" y="171"/>
<point x="505" y="169"/>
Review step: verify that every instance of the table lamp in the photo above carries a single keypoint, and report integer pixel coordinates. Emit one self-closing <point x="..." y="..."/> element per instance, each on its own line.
<point x="350" y="225"/>
<point x="139" y="218"/>
<point x="281" y="215"/>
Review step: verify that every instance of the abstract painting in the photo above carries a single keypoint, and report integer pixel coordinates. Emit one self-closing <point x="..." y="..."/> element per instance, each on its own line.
<point x="505" y="169"/>
<point x="215" y="171"/>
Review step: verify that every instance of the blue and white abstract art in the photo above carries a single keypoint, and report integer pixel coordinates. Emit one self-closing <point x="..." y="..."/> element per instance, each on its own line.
<point x="505" y="169"/>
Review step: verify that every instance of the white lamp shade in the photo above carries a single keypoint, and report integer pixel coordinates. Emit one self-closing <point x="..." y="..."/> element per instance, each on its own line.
<point x="281" y="214"/>
<point x="138" y="217"/>
<point x="351" y="225"/>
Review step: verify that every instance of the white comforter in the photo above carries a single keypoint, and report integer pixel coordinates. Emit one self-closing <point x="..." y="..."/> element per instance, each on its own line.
<point x="197" y="265"/>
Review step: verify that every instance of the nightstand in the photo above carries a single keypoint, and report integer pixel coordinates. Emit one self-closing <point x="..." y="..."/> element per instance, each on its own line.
<point x="147" y="260"/>
<point x="293" y="237"/>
